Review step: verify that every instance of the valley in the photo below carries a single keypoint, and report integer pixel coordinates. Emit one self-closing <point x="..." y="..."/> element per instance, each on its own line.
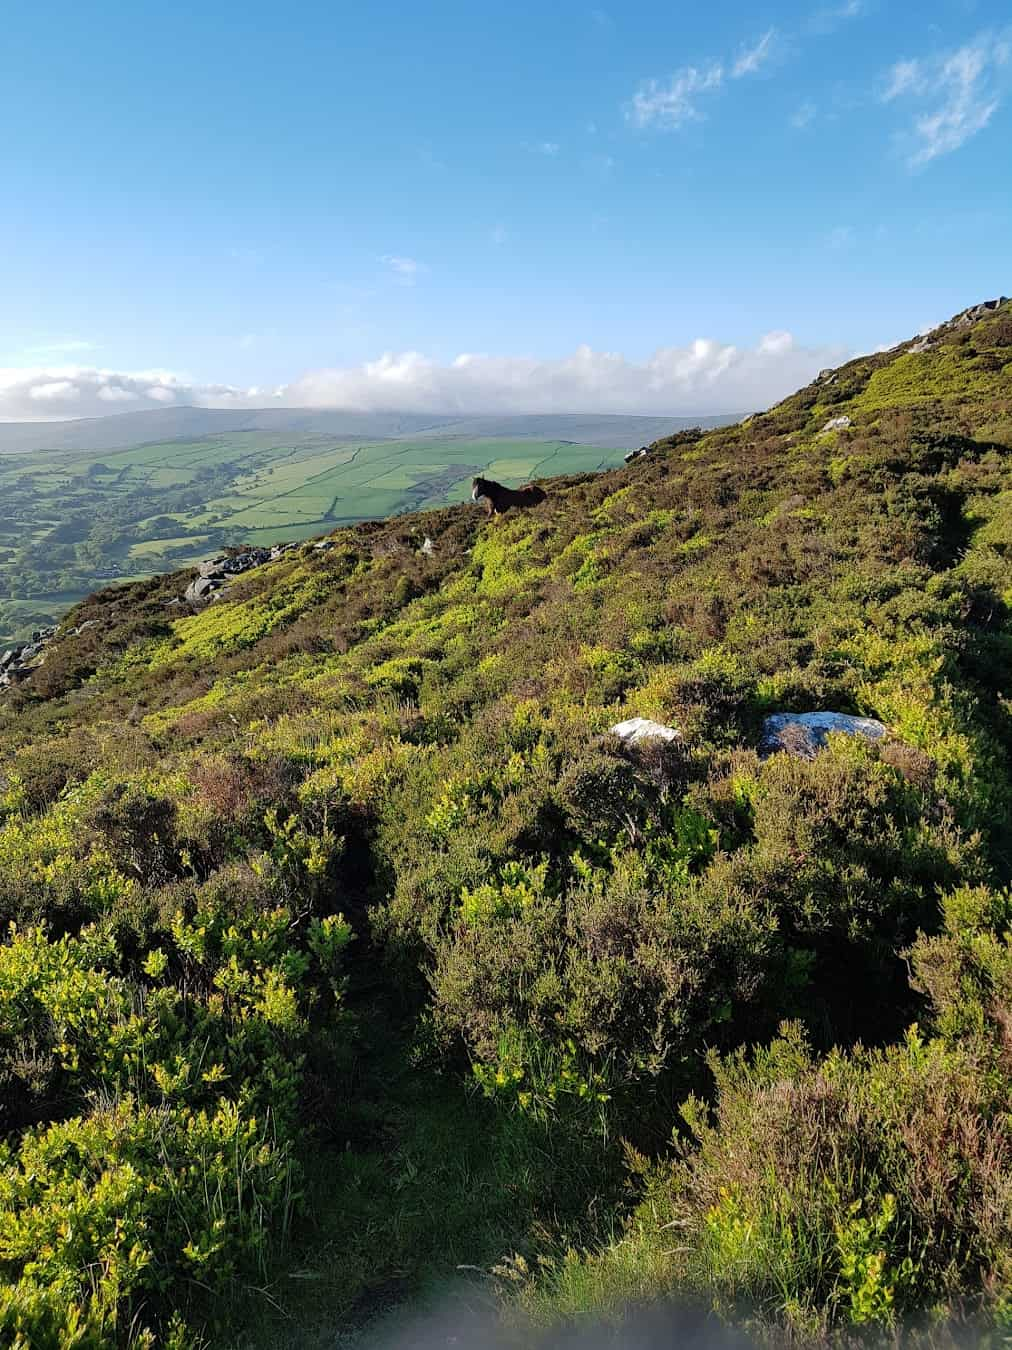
<point x="72" y="521"/>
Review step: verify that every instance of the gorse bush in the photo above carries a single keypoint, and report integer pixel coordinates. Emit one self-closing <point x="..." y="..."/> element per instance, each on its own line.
<point x="171" y="1065"/>
<point x="572" y="934"/>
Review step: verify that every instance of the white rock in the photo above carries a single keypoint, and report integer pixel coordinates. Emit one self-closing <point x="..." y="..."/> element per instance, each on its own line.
<point x="642" y="729"/>
<point x="428" y="547"/>
<point x="805" y="734"/>
<point x="837" y="424"/>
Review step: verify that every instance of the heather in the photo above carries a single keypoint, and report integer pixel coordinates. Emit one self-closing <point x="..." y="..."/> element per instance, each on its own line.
<point x="342" y="937"/>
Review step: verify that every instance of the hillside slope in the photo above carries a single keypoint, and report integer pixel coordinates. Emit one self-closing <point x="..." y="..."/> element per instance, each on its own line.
<point x="364" y="809"/>
<point x="137" y="494"/>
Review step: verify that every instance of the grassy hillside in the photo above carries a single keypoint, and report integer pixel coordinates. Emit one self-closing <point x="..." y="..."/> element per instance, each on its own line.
<point x="351" y="948"/>
<point x="71" y="520"/>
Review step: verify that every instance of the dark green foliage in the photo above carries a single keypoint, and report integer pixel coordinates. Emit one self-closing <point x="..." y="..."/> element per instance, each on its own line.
<point x="556" y="922"/>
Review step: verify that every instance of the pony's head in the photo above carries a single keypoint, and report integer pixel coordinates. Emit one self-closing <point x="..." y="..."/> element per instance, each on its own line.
<point x="478" y="486"/>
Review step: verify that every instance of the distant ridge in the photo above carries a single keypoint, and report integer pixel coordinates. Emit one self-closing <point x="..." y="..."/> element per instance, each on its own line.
<point x="167" y="424"/>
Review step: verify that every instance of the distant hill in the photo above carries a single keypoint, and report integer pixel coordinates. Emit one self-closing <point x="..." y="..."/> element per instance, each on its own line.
<point x="164" y="424"/>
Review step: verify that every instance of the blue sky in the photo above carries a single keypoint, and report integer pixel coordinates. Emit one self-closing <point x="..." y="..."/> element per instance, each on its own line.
<point x="331" y="203"/>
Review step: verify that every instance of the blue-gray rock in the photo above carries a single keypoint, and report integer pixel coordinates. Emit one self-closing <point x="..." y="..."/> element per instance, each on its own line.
<point x="805" y="734"/>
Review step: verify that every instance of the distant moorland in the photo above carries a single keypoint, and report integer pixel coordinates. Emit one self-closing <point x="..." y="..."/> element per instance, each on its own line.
<point x="84" y="508"/>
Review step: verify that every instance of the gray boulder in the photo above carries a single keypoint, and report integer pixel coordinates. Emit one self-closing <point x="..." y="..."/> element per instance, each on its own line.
<point x="805" y="734"/>
<point x="200" y="589"/>
<point x="837" y="424"/>
<point x="642" y="729"/>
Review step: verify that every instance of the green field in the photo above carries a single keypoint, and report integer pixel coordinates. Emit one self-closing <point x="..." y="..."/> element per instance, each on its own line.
<point x="72" y="522"/>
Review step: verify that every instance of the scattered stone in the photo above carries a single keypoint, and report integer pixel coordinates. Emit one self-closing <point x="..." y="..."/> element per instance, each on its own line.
<point x="213" y="573"/>
<point x="322" y="545"/>
<point x="200" y="589"/>
<point x="826" y="376"/>
<point x="641" y="453"/>
<point x="805" y="734"/>
<point x="642" y="729"/>
<point x="837" y="424"/>
<point x="922" y="345"/>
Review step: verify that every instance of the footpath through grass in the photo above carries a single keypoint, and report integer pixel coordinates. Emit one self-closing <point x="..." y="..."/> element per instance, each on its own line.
<point x="426" y="1187"/>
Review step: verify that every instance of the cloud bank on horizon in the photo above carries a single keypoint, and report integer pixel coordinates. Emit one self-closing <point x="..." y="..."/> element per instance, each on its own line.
<point x="704" y="377"/>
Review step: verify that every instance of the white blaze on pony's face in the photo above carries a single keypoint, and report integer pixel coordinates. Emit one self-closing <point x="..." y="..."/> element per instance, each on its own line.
<point x="475" y="494"/>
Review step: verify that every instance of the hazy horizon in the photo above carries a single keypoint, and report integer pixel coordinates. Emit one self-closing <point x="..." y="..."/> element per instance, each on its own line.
<point x="438" y="209"/>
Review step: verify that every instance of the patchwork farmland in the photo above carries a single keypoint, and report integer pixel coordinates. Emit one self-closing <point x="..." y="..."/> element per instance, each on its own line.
<point x="73" y="521"/>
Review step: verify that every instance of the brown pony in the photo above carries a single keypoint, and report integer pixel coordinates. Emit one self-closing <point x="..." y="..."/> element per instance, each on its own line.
<point x="499" y="499"/>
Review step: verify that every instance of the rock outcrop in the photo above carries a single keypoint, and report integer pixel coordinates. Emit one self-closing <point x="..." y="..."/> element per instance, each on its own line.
<point x="642" y="729"/>
<point x="805" y="734"/>
<point x="214" y="573"/>
<point x="17" y="662"/>
<point x="976" y="312"/>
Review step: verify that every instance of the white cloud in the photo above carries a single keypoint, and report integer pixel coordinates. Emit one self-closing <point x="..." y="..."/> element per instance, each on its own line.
<point x="669" y="106"/>
<point x="406" y="266"/>
<point x="406" y="270"/>
<point x="752" y="58"/>
<point x="499" y="235"/>
<point x="826" y="20"/>
<point x="54" y="391"/>
<point x="46" y="392"/>
<point x="548" y="148"/>
<point x="805" y="115"/>
<point x="904" y="77"/>
<point x="705" y="376"/>
<point x="959" y="93"/>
